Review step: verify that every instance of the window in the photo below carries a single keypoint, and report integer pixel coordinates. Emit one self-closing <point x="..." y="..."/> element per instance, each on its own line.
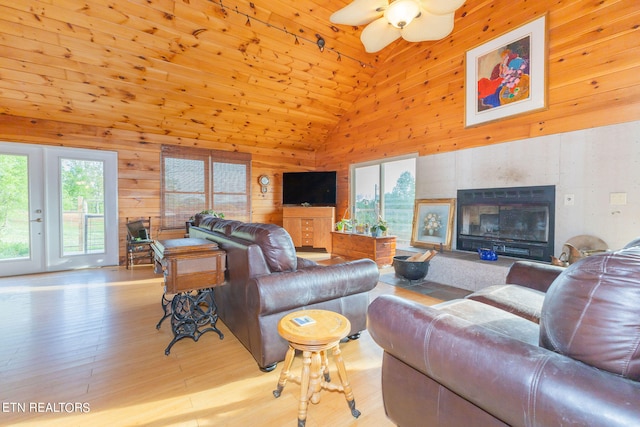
<point x="395" y="179"/>
<point x="194" y="180"/>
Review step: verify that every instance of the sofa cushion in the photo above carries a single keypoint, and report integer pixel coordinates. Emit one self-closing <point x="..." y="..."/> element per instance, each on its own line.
<point x="206" y="221"/>
<point x="590" y="312"/>
<point x="219" y="225"/>
<point x="516" y="299"/>
<point x="492" y="318"/>
<point x="276" y="244"/>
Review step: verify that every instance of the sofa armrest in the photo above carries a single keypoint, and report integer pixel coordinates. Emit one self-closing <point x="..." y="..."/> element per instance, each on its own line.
<point x="519" y="383"/>
<point x="279" y="292"/>
<point x="306" y="263"/>
<point x="533" y="275"/>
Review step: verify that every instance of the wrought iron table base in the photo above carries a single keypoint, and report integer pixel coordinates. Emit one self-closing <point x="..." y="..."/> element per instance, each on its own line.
<point x="166" y="309"/>
<point x="189" y="312"/>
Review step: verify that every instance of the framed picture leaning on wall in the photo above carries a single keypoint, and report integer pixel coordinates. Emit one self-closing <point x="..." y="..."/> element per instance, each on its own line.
<point x="433" y="223"/>
<point x="507" y="76"/>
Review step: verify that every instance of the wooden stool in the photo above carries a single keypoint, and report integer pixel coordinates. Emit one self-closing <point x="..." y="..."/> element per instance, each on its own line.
<point x="314" y="332"/>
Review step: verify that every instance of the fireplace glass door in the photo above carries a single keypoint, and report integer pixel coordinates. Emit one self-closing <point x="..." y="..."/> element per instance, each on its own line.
<point x="515" y="222"/>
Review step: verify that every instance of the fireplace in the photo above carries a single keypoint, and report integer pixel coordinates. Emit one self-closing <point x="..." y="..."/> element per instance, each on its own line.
<point x="516" y="221"/>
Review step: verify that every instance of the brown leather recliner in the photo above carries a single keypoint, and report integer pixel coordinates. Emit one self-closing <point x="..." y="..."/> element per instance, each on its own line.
<point x="265" y="280"/>
<point x="469" y="363"/>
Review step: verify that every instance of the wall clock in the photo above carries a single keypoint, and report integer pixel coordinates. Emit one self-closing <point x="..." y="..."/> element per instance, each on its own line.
<point x="264" y="181"/>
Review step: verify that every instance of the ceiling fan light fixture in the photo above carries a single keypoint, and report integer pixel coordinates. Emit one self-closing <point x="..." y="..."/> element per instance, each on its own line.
<point x="400" y="13"/>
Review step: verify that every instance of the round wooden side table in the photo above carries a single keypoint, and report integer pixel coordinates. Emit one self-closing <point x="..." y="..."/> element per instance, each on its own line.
<point x="314" y="332"/>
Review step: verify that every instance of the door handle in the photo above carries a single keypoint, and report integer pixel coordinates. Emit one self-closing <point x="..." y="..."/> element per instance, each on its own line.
<point x="37" y="220"/>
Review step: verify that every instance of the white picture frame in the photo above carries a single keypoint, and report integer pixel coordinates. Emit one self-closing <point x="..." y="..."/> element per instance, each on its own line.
<point x="496" y="84"/>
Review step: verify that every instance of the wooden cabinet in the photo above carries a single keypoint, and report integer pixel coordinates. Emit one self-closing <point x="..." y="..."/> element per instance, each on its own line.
<point x="356" y="246"/>
<point x="189" y="264"/>
<point x="310" y="226"/>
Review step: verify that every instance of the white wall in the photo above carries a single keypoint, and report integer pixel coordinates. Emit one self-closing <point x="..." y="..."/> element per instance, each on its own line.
<point x="589" y="164"/>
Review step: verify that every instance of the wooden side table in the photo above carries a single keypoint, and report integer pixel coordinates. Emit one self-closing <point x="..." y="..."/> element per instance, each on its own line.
<point x="314" y="332"/>
<point x="192" y="269"/>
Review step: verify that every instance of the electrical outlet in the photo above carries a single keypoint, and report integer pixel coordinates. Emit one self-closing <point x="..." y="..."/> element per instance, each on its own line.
<point x="618" y="198"/>
<point x="569" y="199"/>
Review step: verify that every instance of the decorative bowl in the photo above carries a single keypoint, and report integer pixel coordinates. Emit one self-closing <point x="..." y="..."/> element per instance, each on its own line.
<point x="487" y="254"/>
<point x="410" y="270"/>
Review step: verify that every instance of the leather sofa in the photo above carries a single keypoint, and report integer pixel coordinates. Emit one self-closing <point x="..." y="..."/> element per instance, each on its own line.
<point x="266" y="280"/>
<point x="489" y="363"/>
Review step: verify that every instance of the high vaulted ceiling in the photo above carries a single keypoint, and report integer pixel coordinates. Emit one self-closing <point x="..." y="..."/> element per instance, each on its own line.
<point x="228" y="71"/>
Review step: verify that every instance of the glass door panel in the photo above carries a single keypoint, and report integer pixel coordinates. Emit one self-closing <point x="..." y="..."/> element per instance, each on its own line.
<point x="82" y="202"/>
<point x="82" y="208"/>
<point x="15" y="242"/>
<point x="367" y="194"/>
<point x="21" y="209"/>
<point x="399" y="197"/>
<point x="385" y="188"/>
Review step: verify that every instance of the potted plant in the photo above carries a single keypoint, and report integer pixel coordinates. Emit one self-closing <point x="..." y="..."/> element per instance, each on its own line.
<point x="343" y="225"/>
<point x="379" y="228"/>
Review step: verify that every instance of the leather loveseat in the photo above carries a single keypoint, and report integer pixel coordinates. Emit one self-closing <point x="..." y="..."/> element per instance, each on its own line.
<point x="266" y="280"/>
<point x="466" y="362"/>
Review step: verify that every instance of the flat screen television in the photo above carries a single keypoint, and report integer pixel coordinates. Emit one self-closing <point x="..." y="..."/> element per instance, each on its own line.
<point x="315" y="188"/>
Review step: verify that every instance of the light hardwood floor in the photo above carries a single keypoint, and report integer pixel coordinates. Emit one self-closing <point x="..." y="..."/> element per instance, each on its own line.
<point x="80" y="348"/>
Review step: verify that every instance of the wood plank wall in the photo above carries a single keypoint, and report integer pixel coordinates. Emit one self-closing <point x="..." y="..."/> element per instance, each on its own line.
<point x="415" y="101"/>
<point x="139" y="166"/>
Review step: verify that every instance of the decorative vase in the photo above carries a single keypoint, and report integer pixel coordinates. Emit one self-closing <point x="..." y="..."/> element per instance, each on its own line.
<point x="431" y="232"/>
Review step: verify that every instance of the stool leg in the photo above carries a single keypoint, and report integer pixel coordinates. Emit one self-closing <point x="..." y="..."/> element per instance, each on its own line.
<point x="304" y="388"/>
<point x="315" y="383"/>
<point x="284" y="375"/>
<point x="342" y="373"/>
<point x="325" y="366"/>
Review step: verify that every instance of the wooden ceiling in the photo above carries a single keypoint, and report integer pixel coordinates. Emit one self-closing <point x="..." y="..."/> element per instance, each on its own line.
<point x="228" y="71"/>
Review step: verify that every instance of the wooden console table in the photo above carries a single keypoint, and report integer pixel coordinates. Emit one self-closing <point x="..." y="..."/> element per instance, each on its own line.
<point x="352" y="245"/>
<point x="192" y="269"/>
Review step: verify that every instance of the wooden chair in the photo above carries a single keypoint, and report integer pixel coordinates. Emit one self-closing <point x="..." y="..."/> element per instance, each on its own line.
<point x="139" y="241"/>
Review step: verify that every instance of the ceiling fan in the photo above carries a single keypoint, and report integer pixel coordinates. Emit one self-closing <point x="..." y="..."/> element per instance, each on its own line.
<point x="413" y="20"/>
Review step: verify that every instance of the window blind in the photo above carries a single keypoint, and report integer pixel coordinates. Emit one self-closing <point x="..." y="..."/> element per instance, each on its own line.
<point x="194" y="180"/>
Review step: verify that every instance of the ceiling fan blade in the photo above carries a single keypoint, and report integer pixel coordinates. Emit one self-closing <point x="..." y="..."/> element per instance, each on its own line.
<point x="441" y="7"/>
<point x="359" y="12"/>
<point x="378" y="35"/>
<point x="428" y="27"/>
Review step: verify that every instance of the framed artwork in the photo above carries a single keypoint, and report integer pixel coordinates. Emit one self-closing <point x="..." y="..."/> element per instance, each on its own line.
<point x="507" y="75"/>
<point x="433" y="223"/>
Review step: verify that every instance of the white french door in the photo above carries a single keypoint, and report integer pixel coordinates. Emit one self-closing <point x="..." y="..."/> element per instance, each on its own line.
<point x="56" y="207"/>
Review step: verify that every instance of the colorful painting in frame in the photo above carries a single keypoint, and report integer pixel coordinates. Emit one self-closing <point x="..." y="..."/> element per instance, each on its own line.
<point x="433" y="223"/>
<point x="507" y="75"/>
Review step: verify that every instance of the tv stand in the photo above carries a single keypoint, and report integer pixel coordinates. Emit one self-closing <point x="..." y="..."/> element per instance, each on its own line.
<point x="310" y="227"/>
